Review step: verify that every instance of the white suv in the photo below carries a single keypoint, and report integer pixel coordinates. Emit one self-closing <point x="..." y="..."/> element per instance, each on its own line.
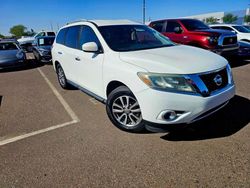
<point x="145" y="79"/>
<point x="243" y="34"/>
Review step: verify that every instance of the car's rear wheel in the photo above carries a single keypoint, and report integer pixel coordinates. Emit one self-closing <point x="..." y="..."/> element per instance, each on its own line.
<point x="124" y="111"/>
<point x="61" y="77"/>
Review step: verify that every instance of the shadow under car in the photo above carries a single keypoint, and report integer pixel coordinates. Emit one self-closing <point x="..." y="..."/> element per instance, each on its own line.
<point x="225" y="122"/>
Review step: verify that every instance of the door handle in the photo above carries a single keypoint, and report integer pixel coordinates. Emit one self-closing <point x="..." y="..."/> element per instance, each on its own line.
<point x="59" y="53"/>
<point x="77" y="59"/>
<point x="185" y="37"/>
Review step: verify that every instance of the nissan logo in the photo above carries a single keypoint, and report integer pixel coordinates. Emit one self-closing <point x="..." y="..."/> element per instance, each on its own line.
<point x="231" y="40"/>
<point x="218" y="80"/>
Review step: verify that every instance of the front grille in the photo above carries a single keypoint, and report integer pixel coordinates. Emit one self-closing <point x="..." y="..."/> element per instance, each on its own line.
<point x="209" y="80"/>
<point x="230" y="40"/>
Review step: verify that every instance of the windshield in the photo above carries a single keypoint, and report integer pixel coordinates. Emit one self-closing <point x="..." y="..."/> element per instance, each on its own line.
<point x="133" y="37"/>
<point x="241" y="29"/>
<point x="8" y="46"/>
<point x="193" y="25"/>
<point x="46" y="41"/>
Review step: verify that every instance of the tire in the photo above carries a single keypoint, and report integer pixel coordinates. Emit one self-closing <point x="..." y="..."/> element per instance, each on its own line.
<point x="37" y="57"/>
<point x="61" y="77"/>
<point x="124" y="111"/>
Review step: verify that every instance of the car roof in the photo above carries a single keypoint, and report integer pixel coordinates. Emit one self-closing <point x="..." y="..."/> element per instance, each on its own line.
<point x="42" y="37"/>
<point x="174" y="19"/>
<point x="8" y="40"/>
<point x="105" y="22"/>
<point x="230" y="25"/>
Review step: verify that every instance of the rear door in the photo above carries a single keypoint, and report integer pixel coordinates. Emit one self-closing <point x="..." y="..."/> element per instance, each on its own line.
<point x="68" y="53"/>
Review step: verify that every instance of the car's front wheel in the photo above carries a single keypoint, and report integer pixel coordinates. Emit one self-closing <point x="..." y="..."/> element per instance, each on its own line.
<point x="124" y="111"/>
<point x="37" y="56"/>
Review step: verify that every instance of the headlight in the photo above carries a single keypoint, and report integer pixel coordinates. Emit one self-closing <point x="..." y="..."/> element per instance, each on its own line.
<point x="167" y="82"/>
<point x="212" y="39"/>
<point x="19" y="55"/>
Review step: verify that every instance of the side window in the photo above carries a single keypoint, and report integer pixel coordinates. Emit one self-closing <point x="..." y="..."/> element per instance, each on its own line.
<point x="72" y="35"/>
<point x="171" y="25"/>
<point x="51" y="34"/>
<point x="61" y="36"/>
<point x="157" y="26"/>
<point x="227" y="28"/>
<point x="40" y="34"/>
<point x="87" y="35"/>
<point x="216" y="27"/>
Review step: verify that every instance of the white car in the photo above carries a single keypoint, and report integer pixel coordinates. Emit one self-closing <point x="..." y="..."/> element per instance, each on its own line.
<point x="26" y="42"/>
<point x="144" y="79"/>
<point x="243" y="34"/>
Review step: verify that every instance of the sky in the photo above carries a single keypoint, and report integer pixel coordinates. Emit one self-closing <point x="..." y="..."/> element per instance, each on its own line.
<point x="52" y="14"/>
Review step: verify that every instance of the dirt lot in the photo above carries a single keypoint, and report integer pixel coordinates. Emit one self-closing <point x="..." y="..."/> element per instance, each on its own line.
<point x="50" y="137"/>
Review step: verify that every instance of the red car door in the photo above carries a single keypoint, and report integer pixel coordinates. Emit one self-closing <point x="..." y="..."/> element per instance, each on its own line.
<point x="175" y="32"/>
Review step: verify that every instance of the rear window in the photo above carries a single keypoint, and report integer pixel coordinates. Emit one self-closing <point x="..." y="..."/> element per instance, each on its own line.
<point x="61" y="36"/>
<point x="8" y="46"/>
<point x="51" y="34"/>
<point x="72" y="35"/>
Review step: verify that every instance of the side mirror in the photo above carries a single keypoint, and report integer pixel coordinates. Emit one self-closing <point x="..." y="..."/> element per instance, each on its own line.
<point x="90" y="47"/>
<point x="178" y="30"/>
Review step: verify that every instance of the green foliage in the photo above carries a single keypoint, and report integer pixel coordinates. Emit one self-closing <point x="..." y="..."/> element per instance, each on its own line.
<point x="1" y="36"/>
<point x="211" y="20"/>
<point x="18" y="30"/>
<point x="247" y="18"/>
<point x="30" y="33"/>
<point x="229" y="18"/>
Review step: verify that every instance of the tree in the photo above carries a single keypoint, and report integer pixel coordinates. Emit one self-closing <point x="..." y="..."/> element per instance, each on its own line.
<point x="247" y="18"/>
<point x="229" y="18"/>
<point x="18" y="30"/>
<point x="30" y="33"/>
<point x="1" y="36"/>
<point x="211" y="20"/>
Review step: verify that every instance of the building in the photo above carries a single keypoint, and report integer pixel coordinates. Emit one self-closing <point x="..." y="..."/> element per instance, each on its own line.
<point x="219" y="15"/>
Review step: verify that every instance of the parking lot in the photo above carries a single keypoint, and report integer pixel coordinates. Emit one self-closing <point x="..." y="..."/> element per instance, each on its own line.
<point x="50" y="137"/>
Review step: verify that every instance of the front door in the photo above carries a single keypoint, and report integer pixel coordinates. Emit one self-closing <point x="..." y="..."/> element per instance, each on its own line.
<point x="89" y="64"/>
<point x="170" y="32"/>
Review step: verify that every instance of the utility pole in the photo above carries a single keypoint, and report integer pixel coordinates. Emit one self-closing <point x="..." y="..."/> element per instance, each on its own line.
<point x="143" y="11"/>
<point x="51" y="26"/>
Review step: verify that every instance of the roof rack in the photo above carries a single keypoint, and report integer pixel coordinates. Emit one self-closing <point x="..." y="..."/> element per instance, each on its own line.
<point x="81" y="20"/>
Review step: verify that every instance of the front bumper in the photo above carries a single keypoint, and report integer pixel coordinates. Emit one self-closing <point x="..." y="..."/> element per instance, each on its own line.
<point x="12" y="63"/>
<point x="46" y="58"/>
<point x="226" y="51"/>
<point x="193" y="107"/>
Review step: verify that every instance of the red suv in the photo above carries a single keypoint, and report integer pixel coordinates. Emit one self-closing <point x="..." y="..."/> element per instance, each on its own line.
<point x="196" y="33"/>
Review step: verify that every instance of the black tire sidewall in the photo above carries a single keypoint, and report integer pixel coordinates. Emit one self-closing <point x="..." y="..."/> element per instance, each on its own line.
<point x="122" y="90"/>
<point x="65" y="86"/>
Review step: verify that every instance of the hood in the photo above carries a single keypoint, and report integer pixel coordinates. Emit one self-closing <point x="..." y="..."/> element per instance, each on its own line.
<point x="8" y="54"/>
<point x="213" y="32"/>
<point x="26" y="39"/>
<point x="178" y="59"/>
